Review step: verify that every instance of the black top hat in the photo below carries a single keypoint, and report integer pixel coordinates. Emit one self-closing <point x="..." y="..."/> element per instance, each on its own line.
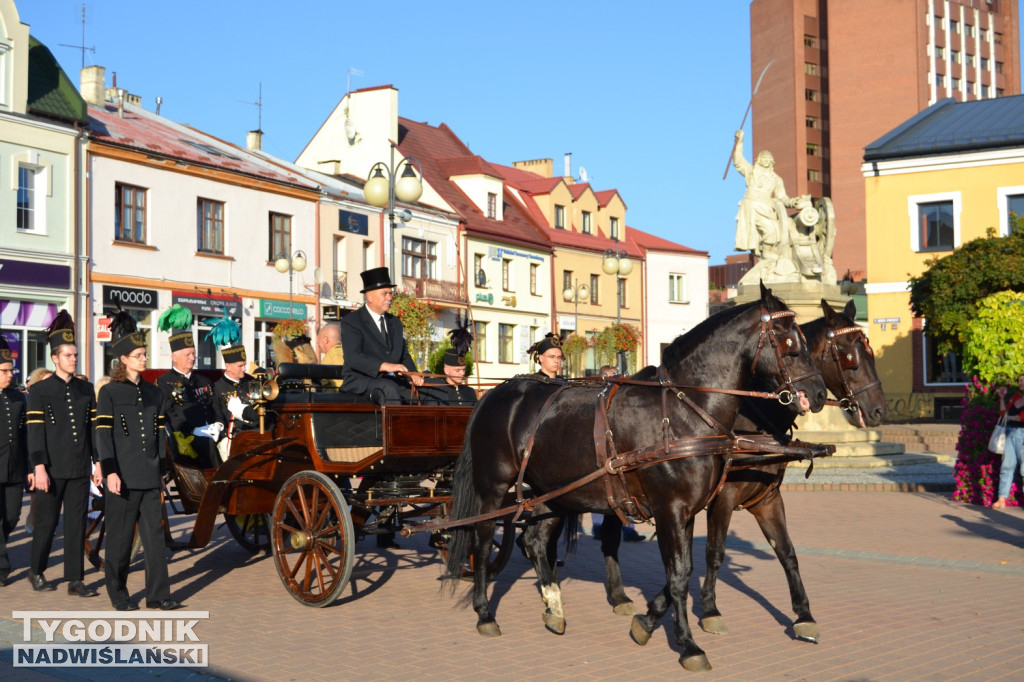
<point x="5" y="351"/>
<point x="375" y="278"/>
<point x="126" y="335"/>
<point x="61" y="331"/>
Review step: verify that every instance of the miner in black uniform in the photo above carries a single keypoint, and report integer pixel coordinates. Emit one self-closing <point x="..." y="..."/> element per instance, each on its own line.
<point x="230" y="401"/>
<point x="548" y="354"/>
<point x="61" y="409"/>
<point x="129" y="433"/>
<point x="191" y="415"/>
<point x="452" y="389"/>
<point x="13" y="454"/>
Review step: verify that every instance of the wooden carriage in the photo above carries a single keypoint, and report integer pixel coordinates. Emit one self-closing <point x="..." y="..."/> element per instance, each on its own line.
<point x="324" y="469"/>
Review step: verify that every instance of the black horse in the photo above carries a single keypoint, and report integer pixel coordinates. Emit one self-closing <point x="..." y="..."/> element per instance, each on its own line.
<point x="843" y="354"/>
<point x="562" y="430"/>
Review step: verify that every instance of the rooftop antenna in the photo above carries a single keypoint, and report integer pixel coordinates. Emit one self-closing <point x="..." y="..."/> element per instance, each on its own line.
<point x="259" y="108"/>
<point x="83" y="46"/>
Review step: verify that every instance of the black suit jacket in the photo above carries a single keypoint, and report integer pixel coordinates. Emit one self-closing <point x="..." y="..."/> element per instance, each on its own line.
<point x="191" y="400"/>
<point x="130" y="432"/>
<point x="365" y="350"/>
<point x="13" y="441"/>
<point x="224" y="389"/>
<point x="60" y="421"/>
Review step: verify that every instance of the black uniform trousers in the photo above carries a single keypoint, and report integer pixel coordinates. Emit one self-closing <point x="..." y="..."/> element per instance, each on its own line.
<point x="73" y="493"/>
<point x="121" y="512"/>
<point x="10" y="507"/>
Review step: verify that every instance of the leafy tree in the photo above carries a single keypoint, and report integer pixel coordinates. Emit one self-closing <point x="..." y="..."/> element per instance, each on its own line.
<point x="435" y="363"/>
<point x="991" y="341"/>
<point x="948" y="292"/>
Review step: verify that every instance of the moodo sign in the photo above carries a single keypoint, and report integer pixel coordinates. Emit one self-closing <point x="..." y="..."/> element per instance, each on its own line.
<point x="127" y="297"/>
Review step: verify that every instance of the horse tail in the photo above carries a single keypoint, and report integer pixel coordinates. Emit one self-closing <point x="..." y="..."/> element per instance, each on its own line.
<point x="465" y="504"/>
<point x="572" y="531"/>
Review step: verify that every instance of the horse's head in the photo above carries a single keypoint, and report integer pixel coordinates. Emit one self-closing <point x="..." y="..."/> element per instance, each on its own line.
<point x="783" y="358"/>
<point x="847" y="364"/>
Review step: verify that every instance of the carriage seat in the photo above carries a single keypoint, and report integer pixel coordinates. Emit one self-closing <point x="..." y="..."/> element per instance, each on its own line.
<point x="297" y="371"/>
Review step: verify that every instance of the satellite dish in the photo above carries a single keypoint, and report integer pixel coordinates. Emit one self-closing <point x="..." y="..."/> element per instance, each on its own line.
<point x="318" y="276"/>
<point x="583" y="174"/>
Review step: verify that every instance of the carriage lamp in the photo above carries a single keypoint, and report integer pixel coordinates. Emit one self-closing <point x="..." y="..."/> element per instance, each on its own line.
<point x="618" y="263"/>
<point x="390" y="182"/>
<point x="283" y="264"/>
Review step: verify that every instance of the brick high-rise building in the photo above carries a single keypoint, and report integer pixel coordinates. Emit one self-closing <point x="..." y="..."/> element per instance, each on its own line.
<point x="848" y="71"/>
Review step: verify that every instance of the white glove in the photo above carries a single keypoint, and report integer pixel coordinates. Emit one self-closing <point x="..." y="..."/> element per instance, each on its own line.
<point x="209" y="430"/>
<point x="236" y="407"/>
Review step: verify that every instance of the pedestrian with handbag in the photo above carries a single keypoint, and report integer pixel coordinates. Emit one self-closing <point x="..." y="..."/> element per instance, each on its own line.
<point x="1013" y="453"/>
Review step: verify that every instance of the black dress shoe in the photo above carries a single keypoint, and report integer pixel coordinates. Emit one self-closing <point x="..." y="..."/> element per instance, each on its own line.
<point x="39" y="584"/>
<point x="164" y="605"/>
<point x="4" y="582"/>
<point x="81" y="589"/>
<point x="126" y="606"/>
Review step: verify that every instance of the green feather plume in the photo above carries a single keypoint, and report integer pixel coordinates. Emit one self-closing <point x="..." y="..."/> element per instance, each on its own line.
<point x="175" y="317"/>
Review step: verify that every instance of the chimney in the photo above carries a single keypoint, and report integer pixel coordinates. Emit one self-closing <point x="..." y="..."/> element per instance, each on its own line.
<point x="93" y="85"/>
<point x="159" y="101"/>
<point x="568" y="164"/>
<point x="120" y="103"/>
<point x="254" y="140"/>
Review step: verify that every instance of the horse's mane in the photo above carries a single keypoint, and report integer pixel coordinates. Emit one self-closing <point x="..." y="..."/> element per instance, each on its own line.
<point x="685" y="344"/>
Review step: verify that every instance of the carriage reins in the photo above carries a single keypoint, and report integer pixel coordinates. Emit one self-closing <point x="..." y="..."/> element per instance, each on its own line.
<point x="847" y="402"/>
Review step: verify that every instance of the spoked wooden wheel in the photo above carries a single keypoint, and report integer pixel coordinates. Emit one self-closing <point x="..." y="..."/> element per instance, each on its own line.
<point x="251" y="531"/>
<point x="501" y="550"/>
<point x="312" y="538"/>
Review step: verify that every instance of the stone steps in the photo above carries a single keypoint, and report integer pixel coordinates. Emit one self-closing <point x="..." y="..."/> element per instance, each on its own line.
<point x="886" y="446"/>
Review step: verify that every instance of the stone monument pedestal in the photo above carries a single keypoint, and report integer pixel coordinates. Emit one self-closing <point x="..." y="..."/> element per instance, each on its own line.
<point x="829" y="425"/>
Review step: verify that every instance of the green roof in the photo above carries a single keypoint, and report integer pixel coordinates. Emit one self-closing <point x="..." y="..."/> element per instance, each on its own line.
<point x="50" y="92"/>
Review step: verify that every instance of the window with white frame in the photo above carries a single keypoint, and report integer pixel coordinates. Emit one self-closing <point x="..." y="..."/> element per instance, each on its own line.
<point x="677" y="288"/>
<point x="31" y="201"/>
<point x="1011" y="207"/>
<point x="4" y="51"/>
<point x="419" y="258"/>
<point x="480" y="341"/>
<point x="559" y="217"/>
<point x="506" y="339"/>
<point x="613" y="228"/>
<point x="934" y="221"/>
<point x="506" y="274"/>
<point x="586" y="222"/>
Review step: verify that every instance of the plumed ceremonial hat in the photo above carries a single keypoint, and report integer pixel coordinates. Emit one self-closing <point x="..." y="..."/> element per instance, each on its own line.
<point x="375" y="278"/>
<point x="547" y="343"/>
<point x="5" y="351"/>
<point x="462" y="341"/>
<point x="126" y="334"/>
<point x="61" y="331"/>
<point x="226" y="334"/>
<point x="177" y="321"/>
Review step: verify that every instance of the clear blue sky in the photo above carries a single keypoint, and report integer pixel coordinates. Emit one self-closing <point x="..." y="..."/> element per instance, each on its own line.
<point x="645" y="95"/>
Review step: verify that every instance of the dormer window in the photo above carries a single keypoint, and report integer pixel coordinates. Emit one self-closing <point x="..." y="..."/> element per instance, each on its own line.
<point x="586" y="222"/>
<point x="613" y="228"/>
<point x="559" y="217"/>
<point x="492" y="205"/>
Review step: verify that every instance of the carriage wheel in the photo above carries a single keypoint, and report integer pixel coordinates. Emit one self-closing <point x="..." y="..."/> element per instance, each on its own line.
<point x="501" y="550"/>
<point x="251" y="531"/>
<point x="312" y="538"/>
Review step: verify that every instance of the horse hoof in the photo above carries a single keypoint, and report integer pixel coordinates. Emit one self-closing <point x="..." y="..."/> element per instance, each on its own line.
<point x="807" y="632"/>
<point x="714" y="625"/>
<point x="626" y="608"/>
<point x="638" y="633"/>
<point x="695" y="664"/>
<point x="554" y="623"/>
<point x="489" y="629"/>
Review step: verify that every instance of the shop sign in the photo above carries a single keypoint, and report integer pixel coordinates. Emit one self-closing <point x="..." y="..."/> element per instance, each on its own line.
<point x="279" y="310"/>
<point x="485" y="298"/>
<point x="354" y="223"/>
<point x="211" y="305"/>
<point x="26" y="273"/>
<point x="128" y="297"/>
<point x="103" y="329"/>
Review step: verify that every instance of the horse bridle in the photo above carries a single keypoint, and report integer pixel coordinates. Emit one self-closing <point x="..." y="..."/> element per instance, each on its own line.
<point x="783" y="345"/>
<point x="847" y="402"/>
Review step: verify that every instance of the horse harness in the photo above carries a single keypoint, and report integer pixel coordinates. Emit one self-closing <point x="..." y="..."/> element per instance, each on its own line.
<point x="845" y="361"/>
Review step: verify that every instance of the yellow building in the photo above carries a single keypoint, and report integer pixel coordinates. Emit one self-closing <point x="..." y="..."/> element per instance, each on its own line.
<point x="941" y="179"/>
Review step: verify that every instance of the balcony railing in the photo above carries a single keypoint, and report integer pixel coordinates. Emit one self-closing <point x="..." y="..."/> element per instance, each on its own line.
<point x="339" y="288"/>
<point x="436" y="290"/>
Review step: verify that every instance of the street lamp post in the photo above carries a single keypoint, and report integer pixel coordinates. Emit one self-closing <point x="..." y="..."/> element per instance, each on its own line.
<point x="574" y="294"/>
<point x="283" y="264"/>
<point x="619" y="264"/>
<point x="388" y="182"/>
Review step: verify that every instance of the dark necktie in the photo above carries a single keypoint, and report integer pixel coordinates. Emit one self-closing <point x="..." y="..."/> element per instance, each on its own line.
<point x="384" y="334"/>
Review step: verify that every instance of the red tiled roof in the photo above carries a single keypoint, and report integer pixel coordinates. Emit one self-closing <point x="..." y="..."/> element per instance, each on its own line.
<point x="143" y="131"/>
<point x="527" y="180"/>
<point x="436" y="148"/>
<point x="649" y="242"/>
<point x="466" y="165"/>
<point x="604" y="197"/>
<point x="577" y="190"/>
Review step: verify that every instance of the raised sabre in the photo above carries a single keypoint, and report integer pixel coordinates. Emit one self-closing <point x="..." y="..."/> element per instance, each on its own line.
<point x="744" y="121"/>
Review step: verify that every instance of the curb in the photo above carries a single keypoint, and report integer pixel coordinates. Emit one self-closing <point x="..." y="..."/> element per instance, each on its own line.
<point x="941" y="487"/>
